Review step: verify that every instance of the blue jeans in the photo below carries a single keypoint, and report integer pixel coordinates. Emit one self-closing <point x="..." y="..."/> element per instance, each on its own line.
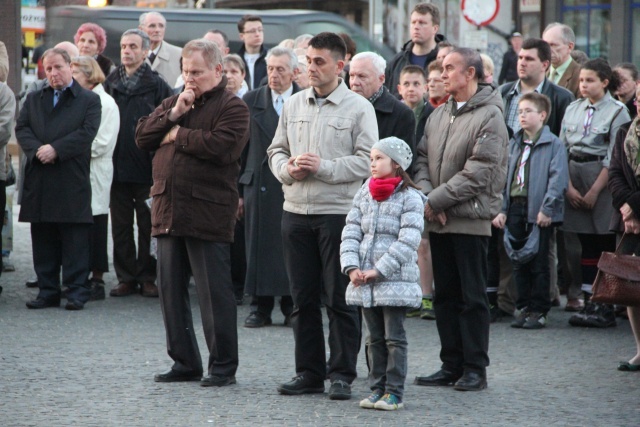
<point x="386" y="348"/>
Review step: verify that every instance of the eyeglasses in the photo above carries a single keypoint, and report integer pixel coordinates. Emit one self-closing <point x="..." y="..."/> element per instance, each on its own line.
<point x="254" y="31"/>
<point x="527" y="111"/>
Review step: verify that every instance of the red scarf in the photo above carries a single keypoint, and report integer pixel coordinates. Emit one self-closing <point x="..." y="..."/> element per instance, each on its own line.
<point x="381" y="189"/>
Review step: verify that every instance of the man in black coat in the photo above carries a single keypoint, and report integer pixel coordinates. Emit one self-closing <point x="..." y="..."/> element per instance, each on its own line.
<point x="262" y="193"/>
<point x="252" y="51"/>
<point x="533" y="61"/>
<point x="56" y="128"/>
<point x="137" y="90"/>
<point x="509" y="69"/>
<point x="422" y="49"/>
<point x="366" y="76"/>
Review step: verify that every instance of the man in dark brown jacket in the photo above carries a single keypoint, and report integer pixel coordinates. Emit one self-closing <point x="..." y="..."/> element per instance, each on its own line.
<point x="198" y="137"/>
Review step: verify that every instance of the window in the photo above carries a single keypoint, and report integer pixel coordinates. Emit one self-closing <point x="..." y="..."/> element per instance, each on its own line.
<point x="591" y="22"/>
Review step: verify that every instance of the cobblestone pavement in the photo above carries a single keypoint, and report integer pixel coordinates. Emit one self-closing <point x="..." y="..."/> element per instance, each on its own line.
<point x="95" y="368"/>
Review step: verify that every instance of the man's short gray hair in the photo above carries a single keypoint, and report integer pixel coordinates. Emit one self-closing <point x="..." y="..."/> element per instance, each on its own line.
<point x="144" y="16"/>
<point x="300" y="39"/>
<point x="378" y="61"/>
<point x="472" y="59"/>
<point x="138" y="32"/>
<point x="282" y="51"/>
<point x="210" y="51"/>
<point x="568" y="36"/>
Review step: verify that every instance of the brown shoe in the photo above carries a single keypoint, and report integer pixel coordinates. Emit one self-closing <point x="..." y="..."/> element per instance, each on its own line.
<point x="149" y="289"/>
<point x="574" y="305"/>
<point x="124" y="289"/>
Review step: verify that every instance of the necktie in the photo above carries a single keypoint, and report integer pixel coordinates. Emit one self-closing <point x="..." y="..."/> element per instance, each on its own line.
<point x="553" y="76"/>
<point x="587" y="120"/>
<point x="279" y="104"/>
<point x="523" y="161"/>
<point x="152" y="57"/>
<point x="56" y="97"/>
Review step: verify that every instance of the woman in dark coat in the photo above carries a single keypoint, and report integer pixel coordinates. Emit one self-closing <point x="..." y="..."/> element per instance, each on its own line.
<point x="624" y="184"/>
<point x="91" y="40"/>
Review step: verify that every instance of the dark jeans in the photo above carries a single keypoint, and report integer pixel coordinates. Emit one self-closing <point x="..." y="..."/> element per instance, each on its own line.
<point x="127" y="199"/>
<point x="63" y="245"/>
<point x="533" y="278"/>
<point x="312" y="260"/>
<point x="209" y="262"/>
<point x="460" y="302"/>
<point x="386" y="348"/>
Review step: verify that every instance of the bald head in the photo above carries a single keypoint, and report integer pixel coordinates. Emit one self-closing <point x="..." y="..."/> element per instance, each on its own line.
<point x="69" y="47"/>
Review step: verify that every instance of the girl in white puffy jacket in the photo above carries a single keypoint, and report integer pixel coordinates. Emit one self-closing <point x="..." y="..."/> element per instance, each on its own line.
<point x="379" y="253"/>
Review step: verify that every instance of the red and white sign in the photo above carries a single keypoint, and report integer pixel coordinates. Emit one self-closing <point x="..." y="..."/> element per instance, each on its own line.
<point x="480" y="12"/>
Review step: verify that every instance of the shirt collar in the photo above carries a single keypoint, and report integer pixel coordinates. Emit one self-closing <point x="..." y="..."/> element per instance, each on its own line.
<point x="562" y="68"/>
<point x="516" y="88"/>
<point x="285" y="95"/>
<point x="605" y="99"/>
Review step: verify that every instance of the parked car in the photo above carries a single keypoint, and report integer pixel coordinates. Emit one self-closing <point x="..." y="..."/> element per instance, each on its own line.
<point x="188" y="24"/>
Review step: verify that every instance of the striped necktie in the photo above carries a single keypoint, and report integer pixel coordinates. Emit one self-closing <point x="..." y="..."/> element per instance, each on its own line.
<point x="587" y="120"/>
<point x="523" y="161"/>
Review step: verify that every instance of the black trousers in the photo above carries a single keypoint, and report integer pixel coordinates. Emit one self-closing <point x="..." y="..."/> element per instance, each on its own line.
<point x="127" y="199"/>
<point x="460" y="302"/>
<point x="65" y="245"/>
<point x="99" y="260"/>
<point x="264" y="304"/>
<point x="312" y="260"/>
<point x="210" y="264"/>
<point x="533" y="279"/>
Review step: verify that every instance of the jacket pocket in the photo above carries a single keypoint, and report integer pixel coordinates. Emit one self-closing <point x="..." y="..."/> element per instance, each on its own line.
<point x="299" y="127"/>
<point x="339" y="131"/>
<point x="208" y="194"/>
<point x="246" y="177"/>
<point x="158" y="187"/>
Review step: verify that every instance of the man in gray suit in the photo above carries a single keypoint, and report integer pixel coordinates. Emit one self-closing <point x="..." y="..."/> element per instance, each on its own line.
<point x="163" y="57"/>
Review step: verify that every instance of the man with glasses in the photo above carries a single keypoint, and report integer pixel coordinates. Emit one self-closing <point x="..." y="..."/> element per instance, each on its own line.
<point x="252" y="52"/>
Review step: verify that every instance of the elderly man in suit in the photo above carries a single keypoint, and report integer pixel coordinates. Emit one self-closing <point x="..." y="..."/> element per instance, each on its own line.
<point x="56" y="128"/>
<point x="262" y="193"/>
<point x="564" y="71"/>
<point x="163" y="57"/>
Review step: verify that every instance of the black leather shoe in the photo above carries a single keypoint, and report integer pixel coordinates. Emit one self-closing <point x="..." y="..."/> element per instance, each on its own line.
<point x="217" y="380"/>
<point x="301" y="385"/>
<point x="43" y="303"/>
<point x="32" y="283"/>
<point x="172" y="376"/>
<point x="257" y="320"/>
<point x="74" y="305"/>
<point x="471" y="381"/>
<point x="442" y="378"/>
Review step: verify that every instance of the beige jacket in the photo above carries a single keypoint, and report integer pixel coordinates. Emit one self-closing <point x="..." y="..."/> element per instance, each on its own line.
<point x="342" y="132"/>
<point x="462" y="163"/>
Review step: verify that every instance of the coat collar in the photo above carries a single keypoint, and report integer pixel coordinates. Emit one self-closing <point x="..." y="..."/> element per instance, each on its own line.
<point x="386" y="102"/>
<point x="334" y="97"/>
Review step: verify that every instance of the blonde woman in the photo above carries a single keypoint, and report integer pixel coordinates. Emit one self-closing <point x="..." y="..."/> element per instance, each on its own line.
<point x="87" y="73"/>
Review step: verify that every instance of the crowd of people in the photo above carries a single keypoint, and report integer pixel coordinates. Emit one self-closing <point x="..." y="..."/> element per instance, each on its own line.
<point x="324" y="178"/>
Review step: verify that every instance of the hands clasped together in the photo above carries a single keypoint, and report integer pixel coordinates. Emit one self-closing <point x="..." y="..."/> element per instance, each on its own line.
<point x="359" y="277"/>
<point x="304" y="164"/>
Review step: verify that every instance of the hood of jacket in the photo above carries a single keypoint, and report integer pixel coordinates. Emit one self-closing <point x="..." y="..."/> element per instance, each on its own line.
<point x="487" y="94"/>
